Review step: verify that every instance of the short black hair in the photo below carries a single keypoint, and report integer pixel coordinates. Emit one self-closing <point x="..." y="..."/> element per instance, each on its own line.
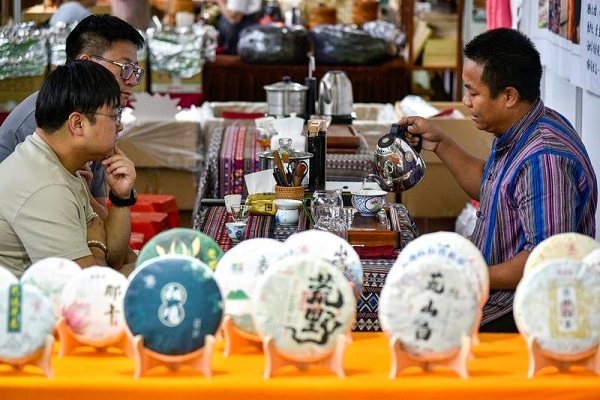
<point x="509" y="59"/>
<point x="96" y="33"/>
<point x="82" y="86"/>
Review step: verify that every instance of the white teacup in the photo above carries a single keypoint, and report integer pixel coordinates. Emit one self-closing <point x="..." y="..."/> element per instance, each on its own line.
<point x="235" y="231"/>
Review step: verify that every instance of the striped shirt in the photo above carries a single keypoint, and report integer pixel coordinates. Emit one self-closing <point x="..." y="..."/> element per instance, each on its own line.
<point x="538" y="182"/>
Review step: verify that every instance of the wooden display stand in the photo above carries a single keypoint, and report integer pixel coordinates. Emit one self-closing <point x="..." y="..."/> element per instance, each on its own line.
<point x="69" y="342"/>
<point x="455" y="360"/>
<point x="40" y="358"/>
<point x="235" y="338"/>
<point x="540" y="358"/>
<point x="333" y="360"/>
<point x="146" y="359"/>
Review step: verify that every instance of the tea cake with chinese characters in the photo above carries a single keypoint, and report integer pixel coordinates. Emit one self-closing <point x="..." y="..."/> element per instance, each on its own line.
<point x="332" y="248"/>
<point x="92" y="305"/>
<point x="26" y="319"/>
<point x="173" y="303"/>
<point x="430" y="306"/>
<point x="558" y="304"/>
<point x="449" y="246"/>
<point x="238" y="272"/>
<point x="304" y="304"/>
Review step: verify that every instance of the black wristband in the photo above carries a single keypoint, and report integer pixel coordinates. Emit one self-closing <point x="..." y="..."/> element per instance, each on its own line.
<point x="121" y="202"/>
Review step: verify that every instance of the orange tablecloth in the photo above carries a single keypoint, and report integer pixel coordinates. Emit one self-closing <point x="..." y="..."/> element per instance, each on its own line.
<point x="498" y="371"/>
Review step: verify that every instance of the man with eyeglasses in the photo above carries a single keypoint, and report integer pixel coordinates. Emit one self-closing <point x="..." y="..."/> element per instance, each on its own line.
<point x="46" y="211"/>
<point x="111" y="42"/>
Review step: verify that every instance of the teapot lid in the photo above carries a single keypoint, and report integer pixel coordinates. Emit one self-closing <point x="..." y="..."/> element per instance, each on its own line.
<point x="286" y="85"/>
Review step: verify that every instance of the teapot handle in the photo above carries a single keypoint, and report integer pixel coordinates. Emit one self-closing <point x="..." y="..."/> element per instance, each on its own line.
<point x="400" y="131"/>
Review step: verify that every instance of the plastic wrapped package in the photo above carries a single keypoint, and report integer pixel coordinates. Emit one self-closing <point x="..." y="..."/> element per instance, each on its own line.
<point x="23" y="51"/>
<point x="163" y="144"/>
<point x="386" y="31"/>
<point x="181" y="51"/>
<point x="273" y="44"/>
<point x="342" y="45"/>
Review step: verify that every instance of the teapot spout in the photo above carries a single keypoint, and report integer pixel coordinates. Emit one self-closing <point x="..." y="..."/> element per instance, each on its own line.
<point x="380" y="182"/>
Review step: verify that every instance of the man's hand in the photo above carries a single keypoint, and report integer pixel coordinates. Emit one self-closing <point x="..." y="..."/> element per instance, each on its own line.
<point x="120" y="173"/>
<point x="87" y="175"/>
<point x="430" y="133"/>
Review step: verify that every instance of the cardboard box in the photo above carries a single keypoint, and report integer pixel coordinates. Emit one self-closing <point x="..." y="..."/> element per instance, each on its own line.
<point x="438" y="195"/>
<point x="15" y="90"/>
<point x="163" y="144"/>
<point x="165" y="83"/>
<point x="182" y="184"/>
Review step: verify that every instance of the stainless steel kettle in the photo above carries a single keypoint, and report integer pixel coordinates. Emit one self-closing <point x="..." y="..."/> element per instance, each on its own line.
<point x="398" y="165"/>
<point x="335" y="94"/>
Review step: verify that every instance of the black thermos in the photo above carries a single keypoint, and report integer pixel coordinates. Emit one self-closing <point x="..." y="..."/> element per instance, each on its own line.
<point x="316" y="145"/>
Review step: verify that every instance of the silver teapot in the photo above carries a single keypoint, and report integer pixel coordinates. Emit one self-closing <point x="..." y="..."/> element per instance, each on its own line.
<point x="398" y="165"/>
<point x="335" y="94"/>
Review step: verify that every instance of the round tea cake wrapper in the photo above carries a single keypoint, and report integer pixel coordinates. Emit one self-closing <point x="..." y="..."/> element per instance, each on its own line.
<point x="331" y="248"/>
<point x="558" y="303"/>
<point x="304" y="304"/>
<point x="92" y="305"/>
<point x="6" y="276"/>
<point x="183" y="241"/>
<point x="448" y="247"/>
<point x="430" y="306"/>
<point x="50" y="275"/>
<point x="173" y="302"/>
<point x="563" y="245"/>
<point x="238" y="272"/>
<point x="26" y="320"/>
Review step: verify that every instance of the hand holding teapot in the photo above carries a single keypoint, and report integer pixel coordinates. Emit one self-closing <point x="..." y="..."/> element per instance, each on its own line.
<point x="398" y="165"/>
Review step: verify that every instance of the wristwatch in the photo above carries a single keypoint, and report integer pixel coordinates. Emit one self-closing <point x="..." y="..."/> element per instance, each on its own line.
<point x="121" y="202"/>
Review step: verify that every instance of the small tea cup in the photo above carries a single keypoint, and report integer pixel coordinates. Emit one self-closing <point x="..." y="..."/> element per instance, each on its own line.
<point x="368" y="202"/>
<point x="235" y="231"/>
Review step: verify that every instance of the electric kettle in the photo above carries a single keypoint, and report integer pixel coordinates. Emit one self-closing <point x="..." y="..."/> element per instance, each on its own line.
<point x="335" y="95"/>
<point x="398" y="165"/>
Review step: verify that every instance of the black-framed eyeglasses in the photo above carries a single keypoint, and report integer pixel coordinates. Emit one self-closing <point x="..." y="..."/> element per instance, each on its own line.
<point x="116" y="117"/>
<point x="127" y="69"/>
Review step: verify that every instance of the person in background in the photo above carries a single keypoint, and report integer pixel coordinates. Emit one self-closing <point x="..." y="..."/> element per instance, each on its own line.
<point x="235" y="16"/>
<point x="538" y="180"/>
<point x="112" y="43"/>
<point x="71" y="11"/>
<point x="135" y="12"/>
<point x="46" y="212"/>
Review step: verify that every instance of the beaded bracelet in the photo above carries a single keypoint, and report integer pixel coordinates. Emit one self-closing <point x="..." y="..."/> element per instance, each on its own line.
<point x="98" y="244"/>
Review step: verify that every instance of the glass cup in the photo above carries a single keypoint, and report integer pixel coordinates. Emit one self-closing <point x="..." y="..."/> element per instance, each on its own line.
<point x="240" y="213"/>
<point x="327" y="211"/>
